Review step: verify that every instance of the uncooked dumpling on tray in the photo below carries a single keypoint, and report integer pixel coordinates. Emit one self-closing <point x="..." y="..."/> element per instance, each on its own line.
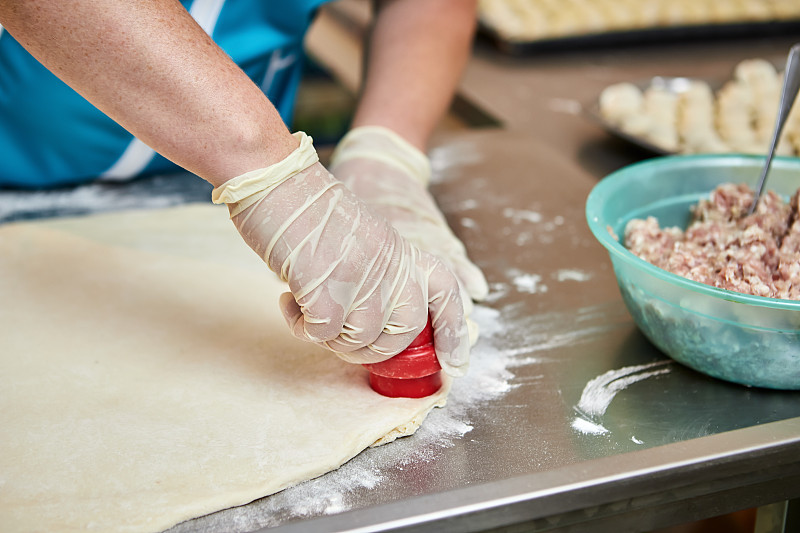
<point x="531" y="20"/>
<point x="691" y="118"/>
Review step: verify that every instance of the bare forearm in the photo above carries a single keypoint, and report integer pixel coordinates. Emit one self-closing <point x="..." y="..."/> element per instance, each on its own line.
<point x="151" y="68"/>
<point x="417" y="52"/>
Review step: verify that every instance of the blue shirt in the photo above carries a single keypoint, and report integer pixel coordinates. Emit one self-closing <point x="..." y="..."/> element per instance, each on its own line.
<point x="51" y="136"/>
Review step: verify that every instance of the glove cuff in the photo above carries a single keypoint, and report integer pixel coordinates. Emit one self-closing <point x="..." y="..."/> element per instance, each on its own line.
<point x="377" y="142"/>
<point x="243" y="191"/>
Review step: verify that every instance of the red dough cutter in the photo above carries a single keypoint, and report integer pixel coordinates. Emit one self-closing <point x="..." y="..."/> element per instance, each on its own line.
<point x="413" y="373"/>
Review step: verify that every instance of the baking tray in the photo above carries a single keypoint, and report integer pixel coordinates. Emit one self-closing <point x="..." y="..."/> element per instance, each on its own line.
<point x="673" y="84"/>
<point x="639" y="36"/>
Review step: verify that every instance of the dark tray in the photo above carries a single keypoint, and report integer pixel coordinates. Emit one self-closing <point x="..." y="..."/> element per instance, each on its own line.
<point x="661" y="34"/>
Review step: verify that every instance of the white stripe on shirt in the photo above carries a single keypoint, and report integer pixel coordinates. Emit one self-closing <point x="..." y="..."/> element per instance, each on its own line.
<point x="206" y="13"/>
<point x="132" y="162"/>
<point x="276" y="64"/>
<point x="138" y="155"/>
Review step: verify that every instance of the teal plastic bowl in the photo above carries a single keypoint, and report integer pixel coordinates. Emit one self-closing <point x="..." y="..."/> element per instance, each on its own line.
<point x="745" y="339"/>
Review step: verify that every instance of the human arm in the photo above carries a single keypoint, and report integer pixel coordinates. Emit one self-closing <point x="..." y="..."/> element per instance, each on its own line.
<point x="416" y="54"/>
<point x="151" y="68"/>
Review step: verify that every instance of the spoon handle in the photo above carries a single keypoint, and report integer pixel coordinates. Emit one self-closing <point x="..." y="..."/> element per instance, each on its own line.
<point x="791" y="84"/>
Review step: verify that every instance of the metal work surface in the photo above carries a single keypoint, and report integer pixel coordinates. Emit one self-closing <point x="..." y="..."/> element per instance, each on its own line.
<point x="570" y="419"/>
<point x="569" y="414"/>
<point x="597" y="428"/>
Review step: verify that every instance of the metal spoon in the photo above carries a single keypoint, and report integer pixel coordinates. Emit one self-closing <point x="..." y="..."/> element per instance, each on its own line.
<point x="791" y="84"/>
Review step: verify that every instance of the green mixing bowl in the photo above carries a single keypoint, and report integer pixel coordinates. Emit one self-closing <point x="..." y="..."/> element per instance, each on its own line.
<point x="746" y="339"/>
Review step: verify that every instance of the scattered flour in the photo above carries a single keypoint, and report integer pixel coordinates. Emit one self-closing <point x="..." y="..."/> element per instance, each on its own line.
<point x="509" y="340"/>
<point x="522" y="215"/>
<point x="489" y="378"/>
<point x="529" y="283"/>
<point x="588" y="428"/>
<point x="569" y="274"/>
<point x="523" y="238"/>
<point x="600" y="391"/>
<point x="497" y="291"/>
<point x="448" y="160"/>
<point x="506" y="343"/>
<point x="468" y="222"/>
<point x="152" y="192"/>
<point x="469" y="203"/>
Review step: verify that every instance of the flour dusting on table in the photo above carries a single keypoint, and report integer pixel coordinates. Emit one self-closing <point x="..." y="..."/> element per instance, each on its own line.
<point x="509" y="343"/>
<point x="172" y="190"/>
<point x="572" y="274"/>
<point x="599" y="392"/>
<point x="489" y="378"/>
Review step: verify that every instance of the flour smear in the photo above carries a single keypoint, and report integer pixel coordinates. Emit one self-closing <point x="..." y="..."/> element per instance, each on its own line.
<point x="508" y="344"/>
<point x="599" y="392"/>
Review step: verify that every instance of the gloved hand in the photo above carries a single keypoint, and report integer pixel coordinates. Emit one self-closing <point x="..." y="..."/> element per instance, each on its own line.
<point x="391" y="176"/>
<point x="357" y="287"/>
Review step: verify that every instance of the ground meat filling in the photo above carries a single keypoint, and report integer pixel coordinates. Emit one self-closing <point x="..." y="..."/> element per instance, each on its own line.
<point x="758" y="254"/>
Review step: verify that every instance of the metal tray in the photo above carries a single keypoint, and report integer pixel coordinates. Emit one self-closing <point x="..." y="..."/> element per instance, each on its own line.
<point x="639" y="36"/>
<point x="676" y="85"/>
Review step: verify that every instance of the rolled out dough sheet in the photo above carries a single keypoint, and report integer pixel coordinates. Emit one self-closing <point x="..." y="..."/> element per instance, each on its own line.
<point x="148" y="377"/>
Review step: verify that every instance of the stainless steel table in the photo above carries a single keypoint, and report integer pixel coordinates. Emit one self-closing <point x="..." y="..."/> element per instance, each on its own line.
<point x="572" y="420"/>
<point x="651" y="444"/>
<point x="671" y="446"/>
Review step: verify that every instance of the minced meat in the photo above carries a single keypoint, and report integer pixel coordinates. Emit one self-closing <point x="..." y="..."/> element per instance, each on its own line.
<point x="757" y="254"/>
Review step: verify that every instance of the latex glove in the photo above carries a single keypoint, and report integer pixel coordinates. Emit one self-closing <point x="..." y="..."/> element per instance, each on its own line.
<point x="392" y="176"/>
<point x="357" y="287"/>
